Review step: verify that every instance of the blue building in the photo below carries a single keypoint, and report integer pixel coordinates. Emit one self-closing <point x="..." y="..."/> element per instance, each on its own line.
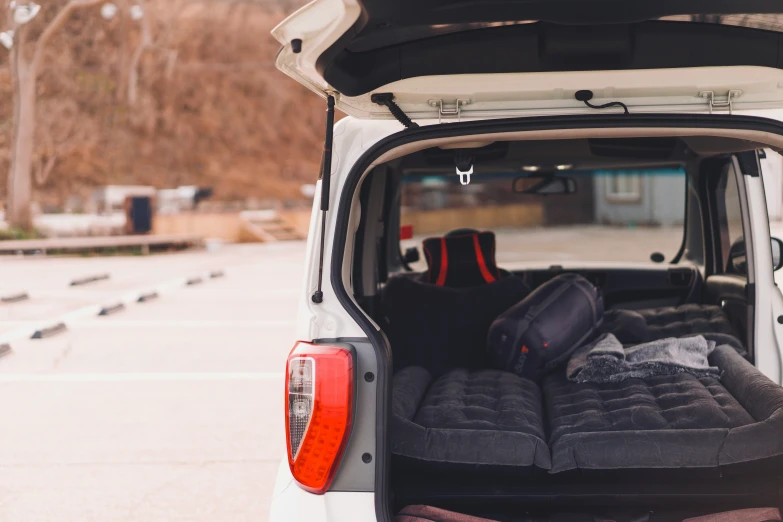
<point x="652" y="198"/>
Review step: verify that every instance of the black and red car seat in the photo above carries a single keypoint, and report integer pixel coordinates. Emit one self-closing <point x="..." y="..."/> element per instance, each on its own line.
<point x="440" y="320"/>
<point x="462" y="258"/>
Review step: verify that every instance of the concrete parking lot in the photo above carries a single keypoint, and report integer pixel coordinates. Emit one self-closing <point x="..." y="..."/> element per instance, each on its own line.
<point x="169" y="410"/>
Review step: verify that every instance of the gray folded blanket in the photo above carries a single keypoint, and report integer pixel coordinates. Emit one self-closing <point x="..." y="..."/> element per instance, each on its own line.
<point x="607" y="361"/>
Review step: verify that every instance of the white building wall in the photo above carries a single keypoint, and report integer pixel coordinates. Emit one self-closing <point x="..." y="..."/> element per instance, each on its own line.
<point x="659" y="201"/>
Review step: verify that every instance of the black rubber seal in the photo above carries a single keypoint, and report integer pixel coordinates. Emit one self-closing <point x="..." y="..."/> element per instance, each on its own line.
<point x="749" y="163"/>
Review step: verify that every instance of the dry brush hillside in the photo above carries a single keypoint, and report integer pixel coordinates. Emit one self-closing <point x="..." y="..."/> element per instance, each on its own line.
<point x="211" y="108"/>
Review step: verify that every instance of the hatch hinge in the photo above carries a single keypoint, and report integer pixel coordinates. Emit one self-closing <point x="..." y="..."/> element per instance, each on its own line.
<point x="449" y="110"/>
<point x="721" y="102"/>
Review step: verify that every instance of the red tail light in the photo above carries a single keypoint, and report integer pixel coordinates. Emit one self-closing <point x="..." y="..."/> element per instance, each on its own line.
<point x="318" y="412"/>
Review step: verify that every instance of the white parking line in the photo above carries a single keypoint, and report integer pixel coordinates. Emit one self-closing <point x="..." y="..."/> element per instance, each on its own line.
<point x="139" y="377"/>
<point x="92" y="310"/>
<point x="186" y="323"/>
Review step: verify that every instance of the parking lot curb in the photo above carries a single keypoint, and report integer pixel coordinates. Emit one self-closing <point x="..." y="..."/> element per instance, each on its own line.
<point x="194" y="281"/>
<point x="15" y="298"/>
<point x="149" y="296"/>
<point x="49" y="331"/>
<point x="5" y="349"/>
<point x="89" y="279"/>
<point x="112" y="309"/>
<point x="217" y="273"/>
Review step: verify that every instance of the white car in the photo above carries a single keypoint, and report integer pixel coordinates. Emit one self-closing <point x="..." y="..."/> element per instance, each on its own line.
<point x="523" y="140"/>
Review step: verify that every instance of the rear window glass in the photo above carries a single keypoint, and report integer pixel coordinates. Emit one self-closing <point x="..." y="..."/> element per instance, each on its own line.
<point x="611" y="216"/>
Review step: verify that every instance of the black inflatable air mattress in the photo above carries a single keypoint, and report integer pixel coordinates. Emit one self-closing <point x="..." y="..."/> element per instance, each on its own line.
<point x="641" y="326"/>
<point x="489" y="417"/>
<point x="494" y="418"/>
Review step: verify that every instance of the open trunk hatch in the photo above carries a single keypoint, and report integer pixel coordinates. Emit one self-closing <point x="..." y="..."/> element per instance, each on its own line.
<point x="473" y="59"/>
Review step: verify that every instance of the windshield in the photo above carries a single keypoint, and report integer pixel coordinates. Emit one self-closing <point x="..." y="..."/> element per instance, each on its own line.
<point x="611" y="216"/>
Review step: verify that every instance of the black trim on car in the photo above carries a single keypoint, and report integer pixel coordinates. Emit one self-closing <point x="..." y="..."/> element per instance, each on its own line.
<point x="545" y="47"/>
<point x="378" y="338"/>
<point x="385" y="21"/>
<point x="713" y="253"/>
<point x="749" y="163"/>
<point x="750" y="292"/>
<point x="345" y="340"/>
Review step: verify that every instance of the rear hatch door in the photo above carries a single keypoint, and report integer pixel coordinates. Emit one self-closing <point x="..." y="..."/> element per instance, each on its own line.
<point x="487" y="58"/>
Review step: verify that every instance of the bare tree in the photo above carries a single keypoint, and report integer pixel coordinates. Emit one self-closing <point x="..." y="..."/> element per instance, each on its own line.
<point x="201" y="85"/>
<point x="144" y="43"/>
<point x="62" y="135"/>
<point x="147" y="42"/>
<point x="26" y="58"/>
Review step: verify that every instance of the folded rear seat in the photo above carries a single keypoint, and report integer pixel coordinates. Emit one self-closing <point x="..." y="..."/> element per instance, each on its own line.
<point x="442" y="322"/>
<point x="468" y="419"/>
<point x="672" y="422"/>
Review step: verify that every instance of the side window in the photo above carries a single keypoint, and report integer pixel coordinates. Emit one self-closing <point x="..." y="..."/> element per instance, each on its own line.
<point x="729" y="216"/>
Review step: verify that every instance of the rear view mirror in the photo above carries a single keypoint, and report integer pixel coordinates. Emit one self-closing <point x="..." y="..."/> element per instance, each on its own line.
<point x="544" y="186"/>
<point x="738" y="258"/>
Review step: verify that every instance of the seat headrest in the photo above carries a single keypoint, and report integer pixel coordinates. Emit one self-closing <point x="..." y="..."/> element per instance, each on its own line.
<point x="461" y="260"/>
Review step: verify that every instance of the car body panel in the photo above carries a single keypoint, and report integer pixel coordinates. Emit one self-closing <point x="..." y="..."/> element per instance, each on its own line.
<point x="768" y="332"/>
<point x="293" y="504"/>
<point x="483" y="96"/>
<point x="662" y="80"/>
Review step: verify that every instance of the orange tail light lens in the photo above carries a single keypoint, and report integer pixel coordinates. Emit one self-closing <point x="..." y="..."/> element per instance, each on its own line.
<point x="318" y="412"/>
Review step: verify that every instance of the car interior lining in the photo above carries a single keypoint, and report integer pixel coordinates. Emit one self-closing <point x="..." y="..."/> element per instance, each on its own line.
<point x="543" y="46"/>
<point x="734" y="139"/>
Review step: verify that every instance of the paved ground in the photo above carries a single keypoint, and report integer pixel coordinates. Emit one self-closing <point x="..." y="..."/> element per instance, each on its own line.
<point x="169" y="410"/>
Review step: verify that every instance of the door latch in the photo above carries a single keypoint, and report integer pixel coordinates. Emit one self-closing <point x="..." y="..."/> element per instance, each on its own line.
<point x="724" y="102"/>
<point x="450" y="110"/>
